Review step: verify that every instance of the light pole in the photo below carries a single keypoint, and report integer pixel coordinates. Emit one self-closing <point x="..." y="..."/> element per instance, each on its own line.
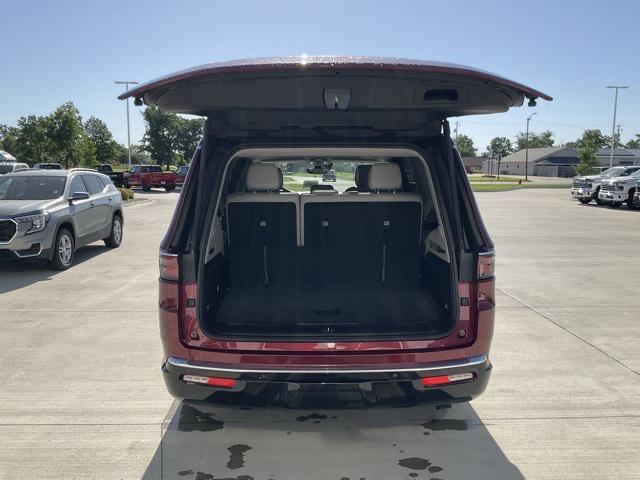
<point x="526" y="151"/>
<point x="613" y="129"/>
<point x="126" y="84"/>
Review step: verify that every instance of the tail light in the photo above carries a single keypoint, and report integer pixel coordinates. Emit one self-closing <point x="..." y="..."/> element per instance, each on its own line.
<point x="219" y="382"/>
<point x="169" y="269"/>
<point x="486" y="265"/>
<point x="446" y="379"/>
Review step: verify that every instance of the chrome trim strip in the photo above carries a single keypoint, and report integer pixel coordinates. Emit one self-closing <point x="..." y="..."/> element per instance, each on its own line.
<point x="488" y="253"/>
<point x="15" y="233"/>
<point x="469" y="362"/>
<point x="31" y="254"/>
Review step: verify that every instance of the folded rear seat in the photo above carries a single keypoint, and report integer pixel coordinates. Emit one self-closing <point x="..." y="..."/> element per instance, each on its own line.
<point x="263" y="231"/>
<point x="363" y="238"/>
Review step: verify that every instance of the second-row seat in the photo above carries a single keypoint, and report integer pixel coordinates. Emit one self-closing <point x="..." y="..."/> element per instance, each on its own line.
<point x="319" y="239"/>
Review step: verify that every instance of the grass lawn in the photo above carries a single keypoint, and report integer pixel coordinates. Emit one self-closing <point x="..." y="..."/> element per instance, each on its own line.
<point x="499" y="187"/>
<point x="480" y="179"/>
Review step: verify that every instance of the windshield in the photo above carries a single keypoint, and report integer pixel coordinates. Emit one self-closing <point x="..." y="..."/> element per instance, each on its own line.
<point x="6" y="168"/>
<point x="301" y="175"/>
<point x="31" y="188"/>
<point x="613" y="172"/>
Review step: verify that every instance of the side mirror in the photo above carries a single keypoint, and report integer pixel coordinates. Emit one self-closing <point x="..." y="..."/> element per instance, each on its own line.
<point x="78" y="196"/>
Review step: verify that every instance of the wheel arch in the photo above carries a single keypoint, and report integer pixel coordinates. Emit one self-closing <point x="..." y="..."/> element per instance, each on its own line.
<point x="68" y="224"/>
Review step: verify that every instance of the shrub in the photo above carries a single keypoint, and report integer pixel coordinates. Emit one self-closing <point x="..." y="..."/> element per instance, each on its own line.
<point x="127" y="193"/>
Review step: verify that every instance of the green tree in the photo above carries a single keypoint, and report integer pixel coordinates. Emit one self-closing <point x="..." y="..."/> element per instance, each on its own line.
<point x="106" y="148"/>
<point x="66" y="133"/>
<point x="634" y="143"/>
<point x="588" y="161"/>
<point x="188" y="137"/>
<point x="8" y="138"/>
<point x="32" y="142"/>
<point x="465" y="147"/>
<point x="499" y="146"/>
<point x="160" y="138"/>
<point x="591" y="139"/>
<point x="536" y="140"/>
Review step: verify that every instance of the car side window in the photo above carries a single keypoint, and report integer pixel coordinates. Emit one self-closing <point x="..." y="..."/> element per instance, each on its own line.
<point x="93" y="184"/>
<point x="77" y="185"/>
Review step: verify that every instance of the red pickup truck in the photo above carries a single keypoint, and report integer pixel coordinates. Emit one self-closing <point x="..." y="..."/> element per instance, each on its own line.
<point x="148" y="177"/>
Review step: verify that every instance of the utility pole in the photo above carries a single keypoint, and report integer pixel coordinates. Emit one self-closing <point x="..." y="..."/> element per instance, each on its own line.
<point x="126" y="84"/>
<point x="455" y="130"/>
<point x="613" y="129"/>
<point x="526" y="152"/>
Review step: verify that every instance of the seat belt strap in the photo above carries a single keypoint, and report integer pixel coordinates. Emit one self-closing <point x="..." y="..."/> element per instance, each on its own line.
<point x="386" y="234"/>
<point x="265" y="255"/>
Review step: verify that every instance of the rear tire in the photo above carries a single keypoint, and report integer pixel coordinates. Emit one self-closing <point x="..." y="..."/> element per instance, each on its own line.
<point x="632" y="192"/>
<point x="615" y="204"/>
<point x="584" y="201"/>
<point x="63" y="250"/>
<point x="169" y="189"/>
<point x="115" y="239"/>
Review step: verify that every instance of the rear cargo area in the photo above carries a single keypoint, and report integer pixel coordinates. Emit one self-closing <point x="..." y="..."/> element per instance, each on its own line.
<point x="364" y="257"/>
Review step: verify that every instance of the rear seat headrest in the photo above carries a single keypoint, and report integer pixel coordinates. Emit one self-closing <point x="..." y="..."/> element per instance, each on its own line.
<point x="264" y="177"/>
<point x="385" y="176"/>
<point x="362" y="176"/>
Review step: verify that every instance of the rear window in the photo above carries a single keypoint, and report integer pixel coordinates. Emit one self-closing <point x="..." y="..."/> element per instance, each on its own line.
<point x="152" y="169"/>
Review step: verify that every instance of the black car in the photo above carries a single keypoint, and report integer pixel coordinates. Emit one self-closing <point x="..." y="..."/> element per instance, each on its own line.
<point x="117" y="178"/>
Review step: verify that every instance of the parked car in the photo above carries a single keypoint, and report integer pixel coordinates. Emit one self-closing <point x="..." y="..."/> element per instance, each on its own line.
<point x="148" y="177"/>
<point x="8" y="167"/>
<point x="329" y="176"/>
<point x="47" y="166"/>
<point x="265" y="291"/>
<point x="49" y="214"/>
<point x="587" y="187"/>
<point x="116" y="177"/>
<point x="620" y="189"/>
<point x="181" y="174"/>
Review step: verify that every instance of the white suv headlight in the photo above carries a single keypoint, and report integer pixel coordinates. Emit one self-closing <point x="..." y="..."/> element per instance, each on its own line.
<point x="37" y="221"/>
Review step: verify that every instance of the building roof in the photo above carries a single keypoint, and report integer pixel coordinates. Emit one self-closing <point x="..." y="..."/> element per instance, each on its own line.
<point x="537" y="155"/>
<point x="619" y="152"/>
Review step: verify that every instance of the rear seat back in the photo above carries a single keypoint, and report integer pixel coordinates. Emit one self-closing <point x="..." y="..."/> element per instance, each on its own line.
<point x="364" y="238"/>
<point x="263" y="231"/>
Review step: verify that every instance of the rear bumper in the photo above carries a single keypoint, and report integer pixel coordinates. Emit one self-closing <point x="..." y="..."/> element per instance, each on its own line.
<point x="405" y="382"/>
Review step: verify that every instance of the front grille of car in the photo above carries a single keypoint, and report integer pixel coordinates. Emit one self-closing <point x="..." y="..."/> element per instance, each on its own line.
<point x="579" y="183"/>
<point x="7" y="230"/>
<point x="608" y="187"/>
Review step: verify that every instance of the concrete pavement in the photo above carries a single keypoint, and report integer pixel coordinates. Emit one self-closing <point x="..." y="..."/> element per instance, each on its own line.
<point x="82" y="395"/>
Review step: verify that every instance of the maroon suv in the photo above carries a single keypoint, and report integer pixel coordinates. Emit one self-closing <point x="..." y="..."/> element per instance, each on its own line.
<point x="272" y="280"/>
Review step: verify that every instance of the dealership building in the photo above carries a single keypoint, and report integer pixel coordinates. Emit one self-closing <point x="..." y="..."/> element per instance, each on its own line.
<point x="555" y="161"/>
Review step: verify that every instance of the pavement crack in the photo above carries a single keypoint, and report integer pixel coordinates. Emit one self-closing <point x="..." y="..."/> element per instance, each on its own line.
<point x="559" y="325"/>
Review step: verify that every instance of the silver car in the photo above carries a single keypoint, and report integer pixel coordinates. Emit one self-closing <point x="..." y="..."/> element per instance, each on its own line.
<point x="49" y="214"/>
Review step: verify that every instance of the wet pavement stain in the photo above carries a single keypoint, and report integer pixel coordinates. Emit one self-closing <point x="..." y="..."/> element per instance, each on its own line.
<point x="447" y="424"/>
<point x="193" y="420"/>
<point x="313" y="416"/>
<point x="236" y="459"/>
<point x="414" y="463"/>
<point x="413" y="474"/>
<point x="208" y="476"/>
<point x="435" y="469"/>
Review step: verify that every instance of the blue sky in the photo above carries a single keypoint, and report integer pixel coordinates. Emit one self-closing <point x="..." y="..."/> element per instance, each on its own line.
<point x="74" y="50"/>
